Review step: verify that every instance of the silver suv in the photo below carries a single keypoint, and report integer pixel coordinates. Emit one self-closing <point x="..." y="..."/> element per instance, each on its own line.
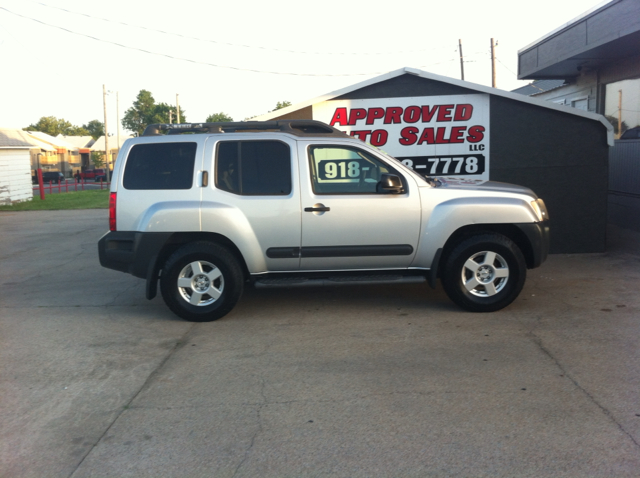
<point x="299" y="203"/>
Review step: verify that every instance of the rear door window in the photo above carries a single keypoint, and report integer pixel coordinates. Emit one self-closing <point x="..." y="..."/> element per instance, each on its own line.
<point x="254" y="168"/>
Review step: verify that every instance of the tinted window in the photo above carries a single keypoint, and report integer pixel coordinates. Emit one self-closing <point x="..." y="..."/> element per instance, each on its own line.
<point x="345" y="170"/>
<point x="160" y="166"/>
<point x="254" y="168"/>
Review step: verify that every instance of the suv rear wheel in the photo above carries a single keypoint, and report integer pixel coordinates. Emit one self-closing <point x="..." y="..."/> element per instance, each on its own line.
<point x="484" y="273"/>
<point x="201" y="282"/>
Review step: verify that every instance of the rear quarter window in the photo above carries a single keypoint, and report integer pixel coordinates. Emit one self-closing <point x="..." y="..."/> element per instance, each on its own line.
<point x="160" y="166"/>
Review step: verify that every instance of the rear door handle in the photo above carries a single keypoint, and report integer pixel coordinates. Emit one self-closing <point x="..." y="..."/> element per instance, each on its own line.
<point x="204" y="179"/>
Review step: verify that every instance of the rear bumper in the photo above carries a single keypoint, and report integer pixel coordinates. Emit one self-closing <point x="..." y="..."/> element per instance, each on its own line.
<point x="135" y="253"/>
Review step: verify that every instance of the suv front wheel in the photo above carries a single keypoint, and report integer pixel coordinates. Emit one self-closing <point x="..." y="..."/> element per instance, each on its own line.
<point x="484" y="273"/>
<point x="201" y="282"/>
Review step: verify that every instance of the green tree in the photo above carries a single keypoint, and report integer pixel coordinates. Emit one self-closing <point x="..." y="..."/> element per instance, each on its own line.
<point x="614" y="122"/>
<point x="54" y="126"/>
<point x="281" y="104"/>
<point x="97" y="158"/>
<point x="161" y="114"/>
<point x="219" y="118"/>
<point x="137" y="117"/>
<point x="77" y="131"/>
<point x="95" y="128"/>
<point x="146" y="111"/>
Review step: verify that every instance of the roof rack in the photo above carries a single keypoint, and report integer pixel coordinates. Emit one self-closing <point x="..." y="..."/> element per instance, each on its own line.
<point x="295" y="127"/>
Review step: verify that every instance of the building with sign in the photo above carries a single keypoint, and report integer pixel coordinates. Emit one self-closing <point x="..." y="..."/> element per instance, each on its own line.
<point x="445" y="127"/>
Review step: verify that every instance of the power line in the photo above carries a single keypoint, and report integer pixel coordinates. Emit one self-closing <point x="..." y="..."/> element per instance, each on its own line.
<point x="187" y="59"/>
<point x="506" y="67"/>
<point x="165" y="55"/>
<point x="188" y="37"/>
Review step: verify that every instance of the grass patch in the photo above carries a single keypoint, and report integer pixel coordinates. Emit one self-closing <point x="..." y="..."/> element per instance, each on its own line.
<point x="93" y="199"/>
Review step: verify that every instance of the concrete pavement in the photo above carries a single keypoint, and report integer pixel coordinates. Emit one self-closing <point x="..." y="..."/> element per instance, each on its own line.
<point x="385" y="381"/>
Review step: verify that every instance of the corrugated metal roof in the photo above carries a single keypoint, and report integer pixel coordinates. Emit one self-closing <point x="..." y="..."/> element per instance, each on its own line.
<point x="539" y="86"/>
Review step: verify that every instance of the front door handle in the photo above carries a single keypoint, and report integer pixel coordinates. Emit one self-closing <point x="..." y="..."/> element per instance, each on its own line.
<point x="314" y="209"/>
<point x="321" y="208"/>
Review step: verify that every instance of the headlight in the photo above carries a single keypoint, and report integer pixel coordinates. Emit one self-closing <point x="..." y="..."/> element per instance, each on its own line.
<point x="540" y="209"/>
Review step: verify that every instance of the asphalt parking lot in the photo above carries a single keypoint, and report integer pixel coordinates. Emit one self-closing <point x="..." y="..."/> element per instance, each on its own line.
<point x="384" y="381"/>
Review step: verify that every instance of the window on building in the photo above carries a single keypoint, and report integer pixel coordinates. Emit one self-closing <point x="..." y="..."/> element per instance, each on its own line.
<point x="622" y="105"/>
<point x="580" y="103"/>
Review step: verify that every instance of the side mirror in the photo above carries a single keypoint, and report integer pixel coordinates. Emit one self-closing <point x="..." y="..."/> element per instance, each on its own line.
<point x="389" y="184"/>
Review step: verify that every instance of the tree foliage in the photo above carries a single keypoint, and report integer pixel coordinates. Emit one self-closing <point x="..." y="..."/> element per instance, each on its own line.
<point x="54" y="126"/>
<point x="146" y="111"/>
<point x="97" y="158"/>
<point x="614" y="122"/>
<point x="281" y="104"/>
<point x="95" y="128"/>
<point x="219" y="118"/>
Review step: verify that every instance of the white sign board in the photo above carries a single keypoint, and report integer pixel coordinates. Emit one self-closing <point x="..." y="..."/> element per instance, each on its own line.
<point x="435" y="135"/>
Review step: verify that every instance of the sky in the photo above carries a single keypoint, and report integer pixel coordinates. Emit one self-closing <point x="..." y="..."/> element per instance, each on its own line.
<point x="243" y="57"/>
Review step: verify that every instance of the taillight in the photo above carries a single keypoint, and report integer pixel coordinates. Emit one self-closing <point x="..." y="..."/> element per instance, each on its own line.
<point x="112" y="212"/>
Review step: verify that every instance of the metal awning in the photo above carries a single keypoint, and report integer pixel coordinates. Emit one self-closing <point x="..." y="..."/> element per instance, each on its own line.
<point x="602" y="35"/>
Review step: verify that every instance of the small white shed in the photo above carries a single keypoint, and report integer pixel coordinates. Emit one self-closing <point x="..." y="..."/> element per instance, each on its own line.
<point x="15" y="167"/>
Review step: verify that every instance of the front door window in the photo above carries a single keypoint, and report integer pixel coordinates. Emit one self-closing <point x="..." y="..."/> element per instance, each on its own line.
<point x="345" y="170"/>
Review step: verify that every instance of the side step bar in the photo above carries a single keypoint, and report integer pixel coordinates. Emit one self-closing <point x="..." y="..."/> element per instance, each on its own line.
<point x="337" y="281"/>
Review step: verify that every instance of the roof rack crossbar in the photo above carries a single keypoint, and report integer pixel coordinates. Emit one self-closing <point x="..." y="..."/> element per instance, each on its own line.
<point x="295" y="127"/>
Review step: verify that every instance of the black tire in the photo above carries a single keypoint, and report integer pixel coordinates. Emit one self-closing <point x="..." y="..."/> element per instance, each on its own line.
<point x="205" y="294"/>
<point x="493" y="282"/>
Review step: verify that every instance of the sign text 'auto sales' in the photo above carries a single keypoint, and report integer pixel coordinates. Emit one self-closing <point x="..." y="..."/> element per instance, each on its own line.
<point x="440" y="134"/>
<point x="427" y="133"/>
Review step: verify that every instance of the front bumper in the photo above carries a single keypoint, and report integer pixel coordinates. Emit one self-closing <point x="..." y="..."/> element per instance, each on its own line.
<point x="538" y="235"/>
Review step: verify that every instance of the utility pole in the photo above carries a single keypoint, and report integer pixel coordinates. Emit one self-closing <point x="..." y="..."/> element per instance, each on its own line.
<point x="106" y="133"/>
<point x="118" y="117"/>
<point x="461" y="60"/>
<point x="170" y="116"/>
<point x="493" y="64"/>
<point x="177" y="108"/>
<point x="619" y="113"/>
